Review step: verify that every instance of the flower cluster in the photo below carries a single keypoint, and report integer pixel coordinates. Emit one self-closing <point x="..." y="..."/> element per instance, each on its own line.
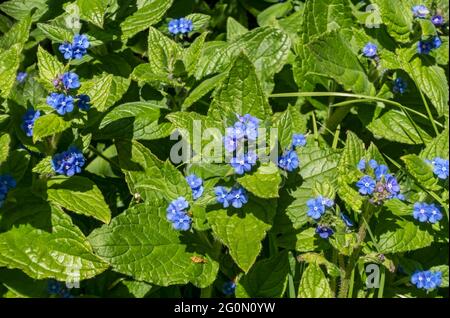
<point x="427" y="279"/>
<point x="61" y="101"/>
<point x="196" y="185"/>
<point x="383" y="187"/>
<point x="425" y="212"/>
<point x="244" y="129"/>
<point x="21" y="76"/>
<point x="68" y="162"/>
<point x="426" y="46"/>
<point x="289" y="160"/>
<point x="28" y="121"/>
<point x="235" y="197"/>
<point x="176" y="213"/>
<point x="400" y="85"/>
<point x="370" y="50"/>
<point x="57" y="288"/>
<point x="440" y="167"/>
<point x="6" y="183"/>
<point x="437" y="20"/>
<point x="77" y="49"/>
<point x="180" y="26"/>
<point x="228" y="288"/>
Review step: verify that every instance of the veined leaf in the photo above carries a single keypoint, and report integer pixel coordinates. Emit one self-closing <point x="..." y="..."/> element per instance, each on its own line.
<point x="314" y="284"/>
<point x="48" y="125"/>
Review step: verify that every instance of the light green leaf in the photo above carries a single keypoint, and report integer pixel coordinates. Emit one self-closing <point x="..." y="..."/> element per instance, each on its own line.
<point x="144" y="73"/>
<point x="138" y="163"/>
<point x="9" y="64"/>
<point x="421" y="171"/>
<point x="63" y="254"/>
<point x="162" y="53"/>
<point x="138" y="120"/>
<point x="266" y="279"/>
<point x="55" y="33"/>
<point x="234" y="29"/>
<point x="192" y="54"/>
<point x="141" y="243"/>
<point x="314" y="284"/>
<point x="49" y="68"/>
<point x="144" y="17"/>
<point x="93" y="10"/>
<point x="49" y="125"/>
<point x="17" y="34"/>
<point x="395" y="126"/>
<point x="5" y="139"/>
<point x="243" y="230"/>
<point x="438" y="147"/>
<point x="240" y="93"/>
<point x="44" y="166"/>
<point x="79" y="195"/>
<point x="264" y="182"/>
<point x="288" y="123"/>
<point x="272" y="13"/>
<point x="398" y="207"/>
<point x="307" y="241"/>
<point x="404" y="237"/>
<point x="398" y="18"/>
<point x="202" y="89"/>
<point x="199" y="21"/>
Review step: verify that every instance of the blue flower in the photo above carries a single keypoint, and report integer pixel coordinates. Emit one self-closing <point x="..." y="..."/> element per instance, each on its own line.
<point x="21" y="76"/>
<point x="324" y="231"/>
<point x="370" y="50"/>
<point x="70" y="80"/>
<point x="373" y="163"/>
<point x="243" y="163"/>
<point x="427" y="279"/>
<point x="420" y="211"/>
<point x="346" y="220"/>
<point x="437" y="20"/>
<point x="28" y="121"/>
<point x="66" y="50"/>
<point x="391" y="184"/>
<point x="250" y="124"/>
<point x="80" y="44"/>
<point x="437" y="42"/>
<point x="230" y="143"/>
<point x="68" y="162"/>
<point x="366" y="185"/>
<point x="7" y="181"/>
<point x="289" y="161"/>
<point x="78" y="52"/>
<point x="222" y="196"/>
<point x="440" y="168"/>
<point x="400" y="85"/>
<point x="83" y="102"/>
<point x="237" y="197"/>
<point x="424" y="47"/>
<point x="315" y="208"/>
<point x="180" y="204"/>
<point x="228" y="288"/>
<point x="181" y="25"/>
<point x="361" y="165"/>
<point x="181" y="222"/>
<point x="298" y="140"/>
<point x="420" y="11"/>
<point x="61" y="103"/>
<point x="381" y="171"/>
<point x="434" y="213"/>
<point x="196" y="185"/>
<point x="239" y="130"/>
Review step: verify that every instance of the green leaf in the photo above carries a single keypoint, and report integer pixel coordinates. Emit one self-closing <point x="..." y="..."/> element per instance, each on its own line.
<point x="199" y="21"/>
<point x="403" y="237"/>
<point x="141" y="243"/>
<point x="162" y="53"/>
<point x="240" y="93"/>
<point x="138" y="120"/>
<point x="272" y="13"/>
<point x="202" y="89"/>
<point x="314" y="284"/>
<point x="192" y="54"/>
<point x="49" y="68"/>
<point x="5" y="139"/>
<point x="234" y="29"/>
<point x="21" y="9"/>
<point x="79" y="195"/>
<point x="288" y="123"/>
<point x="55" y="33"/>
<point x="105" y="90"/>
<point x="145" y="17"/>
<point x="421" y="171"/>
<point x="138" y="163"/>
<point x="243" y="230"/>
<point x="398" y="207"/>
<point x="144" y="73"/>
<point x="93" y="10"/>
<point x="63" y="254"/>
<point x="266" y="279"/>
<point x="49" y="125"/>
<point x="44" y="166"/>
<point x="308" y="240"/>
<point x="17" y="34"/>
<point x="397" y="17"/>
<point x="438" y="147"/>
<point x="9" y="64"/>
<point x="17" y="163"/>
<point x="395" y="126"/>
<point x="264" y="182"/>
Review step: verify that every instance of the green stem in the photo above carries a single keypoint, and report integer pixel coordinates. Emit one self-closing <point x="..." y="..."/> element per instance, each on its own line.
<point x="336" y="137"/>
<point x="430" y="115"/>
<point x="316" y="132"/>
<point x="351" y="285"/>
<point x="382" y="280"/>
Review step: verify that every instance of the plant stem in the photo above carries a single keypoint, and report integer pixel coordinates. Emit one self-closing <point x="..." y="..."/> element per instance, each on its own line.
<point x="316" y="132"/>
<point x="336" y="137"/>
<point x="430" y="115"/>
<point x="382" y="280"/>
<point x="352" y="284"/>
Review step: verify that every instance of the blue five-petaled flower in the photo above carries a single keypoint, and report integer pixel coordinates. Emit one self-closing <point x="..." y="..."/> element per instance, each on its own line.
<point x="77" y="49"/>
<point x="420" y="11"/>
<point x="289" y="161"/>
<point x="176" y="213"/>
<point x="427" y="279"/>
<point x="68" y="162"/>
<point x="62" y="103"/>
<point x="235" y="197"/>
<point x="440" y="167"/>
<point x="70" y="80"/>
<point x="28" y="121"/>
<point x="317" y="206"/>
<point x="370" y="50"/>
<point x="180" y="26"/>
<point x="366" y="185"/>
<point x="196" y="185"/>
<point x="424" y="212"/>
